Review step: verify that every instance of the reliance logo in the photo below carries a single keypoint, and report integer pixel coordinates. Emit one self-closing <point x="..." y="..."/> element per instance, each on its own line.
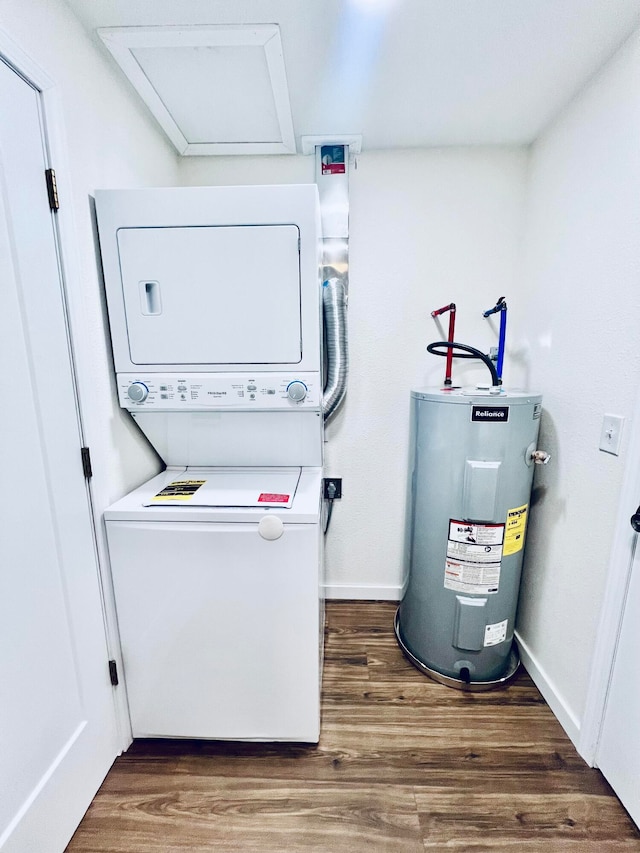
<point x="492" y="414"/>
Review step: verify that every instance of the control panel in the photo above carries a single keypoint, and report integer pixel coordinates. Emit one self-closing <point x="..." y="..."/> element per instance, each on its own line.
<point x="206" y="391"/>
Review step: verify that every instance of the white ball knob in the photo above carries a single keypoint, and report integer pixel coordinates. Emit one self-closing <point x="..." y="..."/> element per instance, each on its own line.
<point x="270" y="527"/>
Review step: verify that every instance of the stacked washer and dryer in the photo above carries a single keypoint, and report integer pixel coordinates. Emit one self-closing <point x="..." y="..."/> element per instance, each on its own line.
<point x="214" y="304"/>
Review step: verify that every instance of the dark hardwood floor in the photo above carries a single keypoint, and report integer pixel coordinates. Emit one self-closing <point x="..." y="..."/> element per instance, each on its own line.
<point x="403" y="764"/>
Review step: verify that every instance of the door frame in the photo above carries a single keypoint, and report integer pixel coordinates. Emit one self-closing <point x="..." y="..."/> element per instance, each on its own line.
<point x="613" y="602"/>
<point x="55" y="150"/>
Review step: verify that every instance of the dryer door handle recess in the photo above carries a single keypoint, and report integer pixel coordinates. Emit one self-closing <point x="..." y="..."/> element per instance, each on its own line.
<point x="150" y="299"/>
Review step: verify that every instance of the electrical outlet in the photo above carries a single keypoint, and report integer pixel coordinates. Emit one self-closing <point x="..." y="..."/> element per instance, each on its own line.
<point x="611" y="434"/>
<point x="332" y="488"/>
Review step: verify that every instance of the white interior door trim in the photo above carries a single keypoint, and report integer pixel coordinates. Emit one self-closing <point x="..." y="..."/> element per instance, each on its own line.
<point x="24" y="64"/>
<point x="69" y="262"/>
<point x="617" y="583"/>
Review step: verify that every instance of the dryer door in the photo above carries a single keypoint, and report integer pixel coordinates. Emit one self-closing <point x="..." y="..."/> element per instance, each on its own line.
<point x="212" y="294"/>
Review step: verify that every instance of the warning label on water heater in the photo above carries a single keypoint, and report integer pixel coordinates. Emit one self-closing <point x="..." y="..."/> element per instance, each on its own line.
<point x="496" y="633"/>
<point x="516" y="526"/>
<point x="474" y="555"/>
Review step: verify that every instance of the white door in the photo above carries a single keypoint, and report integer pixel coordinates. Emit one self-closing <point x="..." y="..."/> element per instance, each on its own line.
<point x="618" y="753"/>
<point x="57" y="718"/>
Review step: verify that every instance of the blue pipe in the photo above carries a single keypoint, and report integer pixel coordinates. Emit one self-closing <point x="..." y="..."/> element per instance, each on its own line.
<point x="500" y="306"/>
<point x="501" y="340"/>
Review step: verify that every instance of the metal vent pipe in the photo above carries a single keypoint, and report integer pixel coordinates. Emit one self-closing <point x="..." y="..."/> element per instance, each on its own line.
<point x="332" y="178"/>
<point x="334" y="307"/>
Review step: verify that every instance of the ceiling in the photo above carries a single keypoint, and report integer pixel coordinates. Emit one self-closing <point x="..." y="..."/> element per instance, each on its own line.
<point x="412" y="73"/>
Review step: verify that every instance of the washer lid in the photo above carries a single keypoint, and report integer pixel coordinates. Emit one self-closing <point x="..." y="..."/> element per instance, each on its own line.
<point x="228" y="487"/>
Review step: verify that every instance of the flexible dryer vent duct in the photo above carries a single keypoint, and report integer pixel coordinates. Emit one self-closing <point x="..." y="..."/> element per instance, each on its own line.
<point x="332" y="178"/>
<point x="334" y="306"/>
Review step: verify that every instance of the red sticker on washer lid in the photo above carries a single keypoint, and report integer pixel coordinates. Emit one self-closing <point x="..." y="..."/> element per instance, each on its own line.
<point x="268" y="498"/>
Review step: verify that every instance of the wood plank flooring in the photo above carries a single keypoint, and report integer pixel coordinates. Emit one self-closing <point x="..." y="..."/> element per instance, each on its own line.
<point x="404" y="765"/>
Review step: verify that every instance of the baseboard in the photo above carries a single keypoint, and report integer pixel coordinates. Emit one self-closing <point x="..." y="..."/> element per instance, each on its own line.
<point x="362" y="592"/>
<point x="552" y="697"/>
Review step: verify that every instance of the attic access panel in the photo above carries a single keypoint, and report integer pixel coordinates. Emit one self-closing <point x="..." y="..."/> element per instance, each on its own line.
<point x="213" y="90"/>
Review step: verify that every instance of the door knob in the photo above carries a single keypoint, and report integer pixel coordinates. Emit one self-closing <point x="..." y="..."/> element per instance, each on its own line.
<point x="635" y="520"/>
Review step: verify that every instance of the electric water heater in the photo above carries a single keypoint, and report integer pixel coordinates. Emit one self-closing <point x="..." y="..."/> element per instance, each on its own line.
<point x="470" y="476"/>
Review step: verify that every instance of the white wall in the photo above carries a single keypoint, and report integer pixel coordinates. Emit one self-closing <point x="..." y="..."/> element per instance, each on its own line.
<point x="102" y="138"/>
<point x="576" y="330"/>
<point x="426" y="228"/>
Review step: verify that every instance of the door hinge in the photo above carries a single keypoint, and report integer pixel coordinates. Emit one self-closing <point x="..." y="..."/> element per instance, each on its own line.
<point x="52" y="189"/>
<point x="86" y="462"/>
<point x="113" y="673"/>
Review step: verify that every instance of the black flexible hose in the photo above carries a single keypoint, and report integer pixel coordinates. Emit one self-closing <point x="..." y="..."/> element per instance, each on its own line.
<point x="467" y="352"/>
<point x="328" y="516"/>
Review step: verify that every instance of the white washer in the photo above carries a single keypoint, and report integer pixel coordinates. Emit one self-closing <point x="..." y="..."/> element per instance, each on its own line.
<point x="221" y="627"/>
<point x="214" y="308"/>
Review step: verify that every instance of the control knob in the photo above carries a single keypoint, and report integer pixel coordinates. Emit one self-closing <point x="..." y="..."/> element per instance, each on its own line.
<point x="137" y="392"/>
<point x="296" y="391"/>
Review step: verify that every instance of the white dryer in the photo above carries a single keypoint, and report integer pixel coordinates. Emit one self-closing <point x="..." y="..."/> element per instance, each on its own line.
<point x="214" y="306"/>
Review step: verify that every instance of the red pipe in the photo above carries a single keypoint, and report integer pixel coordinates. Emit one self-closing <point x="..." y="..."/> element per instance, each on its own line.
<point x="452" y="326"/>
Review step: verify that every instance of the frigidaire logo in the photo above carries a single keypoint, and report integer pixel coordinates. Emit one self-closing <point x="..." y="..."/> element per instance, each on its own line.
<point x="493" y="414"/>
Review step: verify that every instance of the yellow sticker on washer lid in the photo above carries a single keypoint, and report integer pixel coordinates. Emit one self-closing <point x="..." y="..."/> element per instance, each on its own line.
<point x="514" y="530"/>
<point x="179" y="490"/>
